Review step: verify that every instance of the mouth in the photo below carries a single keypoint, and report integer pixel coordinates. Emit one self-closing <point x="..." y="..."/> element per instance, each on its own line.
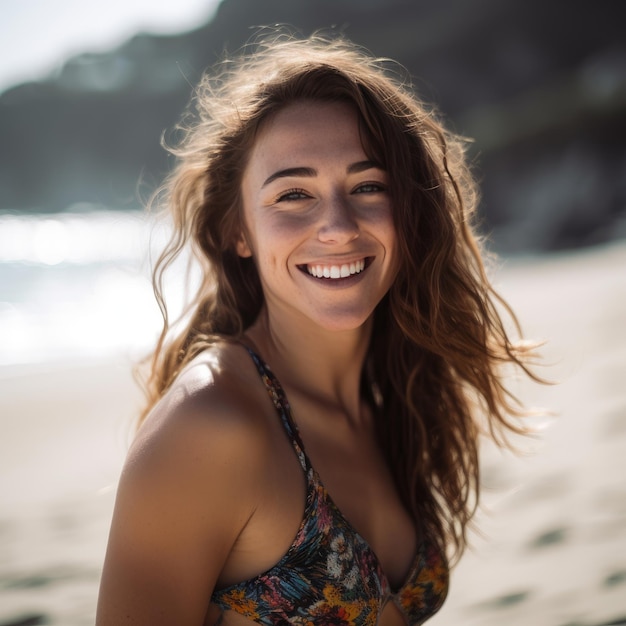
<point x="336" y="271"/>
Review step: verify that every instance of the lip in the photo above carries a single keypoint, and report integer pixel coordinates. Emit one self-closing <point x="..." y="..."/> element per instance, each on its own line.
<point x="337" y="271"/>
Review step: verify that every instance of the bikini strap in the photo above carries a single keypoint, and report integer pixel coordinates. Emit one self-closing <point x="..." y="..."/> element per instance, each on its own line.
<point x="279" y="398"/>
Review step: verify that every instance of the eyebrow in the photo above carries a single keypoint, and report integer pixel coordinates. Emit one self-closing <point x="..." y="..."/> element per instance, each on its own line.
<point x="309" y="172"/>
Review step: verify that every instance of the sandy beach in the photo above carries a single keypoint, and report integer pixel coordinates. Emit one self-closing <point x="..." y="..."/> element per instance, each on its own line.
<point x="551" y="550"/>
<point x="64" y="435"/>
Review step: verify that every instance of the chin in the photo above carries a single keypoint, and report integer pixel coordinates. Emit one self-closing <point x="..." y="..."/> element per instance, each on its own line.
<point x="342" y="322"/>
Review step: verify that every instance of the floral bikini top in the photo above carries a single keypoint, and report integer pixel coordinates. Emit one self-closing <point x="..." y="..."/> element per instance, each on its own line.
<point x="330" y="575"/>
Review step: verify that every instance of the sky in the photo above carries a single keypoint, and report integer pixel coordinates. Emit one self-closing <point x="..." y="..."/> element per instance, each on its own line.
<point x="37" y="36"/>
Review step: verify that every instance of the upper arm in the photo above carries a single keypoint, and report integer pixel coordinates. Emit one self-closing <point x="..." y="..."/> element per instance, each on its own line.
<point x="188" y="488"/>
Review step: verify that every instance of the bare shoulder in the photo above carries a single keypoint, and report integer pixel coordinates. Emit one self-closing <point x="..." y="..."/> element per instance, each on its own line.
<point x="192" y="481"/>
<point x="212" y="408"/>
<point x="207" y="433"/>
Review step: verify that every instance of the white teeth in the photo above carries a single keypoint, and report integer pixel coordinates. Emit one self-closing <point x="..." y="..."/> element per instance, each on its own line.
<point x="336" y="271"/>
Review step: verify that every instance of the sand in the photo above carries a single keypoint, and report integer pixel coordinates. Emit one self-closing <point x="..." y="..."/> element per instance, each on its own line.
<point x="552" y="544"/>
<point x="552" y="550"/>
<point x="65" y="431"/>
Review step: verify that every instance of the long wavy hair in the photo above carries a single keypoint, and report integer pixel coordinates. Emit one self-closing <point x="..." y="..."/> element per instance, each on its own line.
<point x="440" y="336"/>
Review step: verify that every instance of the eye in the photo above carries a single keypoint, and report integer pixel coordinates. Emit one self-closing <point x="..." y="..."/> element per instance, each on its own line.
<point x="292" y="195"/>
<point x="370" y="187"/>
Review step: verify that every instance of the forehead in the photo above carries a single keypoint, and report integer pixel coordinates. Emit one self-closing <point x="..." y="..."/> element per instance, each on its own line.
<point x="302" y="113"/>
<point x="305" y="132"/>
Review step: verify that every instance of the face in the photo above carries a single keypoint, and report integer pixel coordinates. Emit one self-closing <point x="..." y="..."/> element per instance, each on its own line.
<point x="317" y="218"/>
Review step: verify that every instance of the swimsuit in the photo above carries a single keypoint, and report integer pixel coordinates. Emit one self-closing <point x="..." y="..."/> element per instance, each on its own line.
<point x="330" y="575"/>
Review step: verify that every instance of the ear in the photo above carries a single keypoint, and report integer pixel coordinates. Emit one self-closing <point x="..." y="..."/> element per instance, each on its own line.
<point x="242" y="247"/>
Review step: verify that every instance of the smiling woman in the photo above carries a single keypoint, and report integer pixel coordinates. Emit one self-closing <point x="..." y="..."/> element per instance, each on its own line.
<point x="330" y="213"/>
<point x="306" y="226"/>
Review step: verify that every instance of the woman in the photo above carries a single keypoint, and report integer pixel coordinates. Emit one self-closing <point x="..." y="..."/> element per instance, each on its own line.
<point x="330" y="213"/>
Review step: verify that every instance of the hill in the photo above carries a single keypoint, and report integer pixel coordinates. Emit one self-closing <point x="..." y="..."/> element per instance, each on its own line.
<point x="540" y="86"/>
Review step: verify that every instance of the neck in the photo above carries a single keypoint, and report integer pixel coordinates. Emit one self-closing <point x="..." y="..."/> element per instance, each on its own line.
<point x="322" y="364"/>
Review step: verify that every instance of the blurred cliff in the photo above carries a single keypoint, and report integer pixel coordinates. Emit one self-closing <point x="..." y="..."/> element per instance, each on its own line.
<point x="540" y="86"/>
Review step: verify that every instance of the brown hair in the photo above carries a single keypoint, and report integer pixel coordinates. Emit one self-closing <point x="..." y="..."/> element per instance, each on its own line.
<point x="439" y="340"/>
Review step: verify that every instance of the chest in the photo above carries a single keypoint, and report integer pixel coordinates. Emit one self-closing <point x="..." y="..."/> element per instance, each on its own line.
<point x="352" y="470"/>
<point x="355" y="544"/>
<point x="332" y="574"/>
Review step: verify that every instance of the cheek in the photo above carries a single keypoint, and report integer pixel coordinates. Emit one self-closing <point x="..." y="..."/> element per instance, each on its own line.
<point x="279" y="234"/>
<point x="278" y="242"/>
<point x="388" y="236"/>
<point x="383" y="224"/>
<point x="268" y="248"/>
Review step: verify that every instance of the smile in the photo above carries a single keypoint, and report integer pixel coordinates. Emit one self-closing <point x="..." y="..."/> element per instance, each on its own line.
<point x="333" y="272"/>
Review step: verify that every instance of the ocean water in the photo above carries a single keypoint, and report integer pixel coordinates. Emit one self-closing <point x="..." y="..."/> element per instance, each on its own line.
<point x="76" y="312"/>
<point x="76" y="285"/>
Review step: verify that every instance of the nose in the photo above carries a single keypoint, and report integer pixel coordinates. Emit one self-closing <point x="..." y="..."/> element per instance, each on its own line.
<point x="337" y="223"/>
